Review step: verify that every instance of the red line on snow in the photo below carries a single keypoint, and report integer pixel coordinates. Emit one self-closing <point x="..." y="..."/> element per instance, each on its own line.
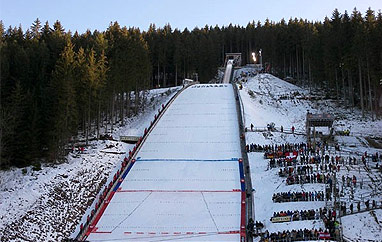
<point x="212" y="191"/>
<point x="92" y="228"/>
<point x="229" y="232"/>
<point x="184" y="233"/>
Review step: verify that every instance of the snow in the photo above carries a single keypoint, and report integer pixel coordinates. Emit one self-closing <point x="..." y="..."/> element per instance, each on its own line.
<point x="365" y="226"/>
<point x="186" y="179"/>
<point x="228" y="71"/>
<point x="202" y="119"/>
<point x="268" y="99"/>
<point x="183" y="175"/>
<point x="156" y="213"/>
<point x="47" y="205"/>
<point x="266" y="182"/>
<point x="184" y="183"/>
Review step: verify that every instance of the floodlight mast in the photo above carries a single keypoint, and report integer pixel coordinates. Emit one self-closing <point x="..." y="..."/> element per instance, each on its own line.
<point x="254" y="56"/>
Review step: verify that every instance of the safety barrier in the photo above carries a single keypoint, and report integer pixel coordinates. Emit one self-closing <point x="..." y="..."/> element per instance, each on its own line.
<point x="247" y="196"/>
<point x="243" y="209"/>
<point x="285" y="131"/>
<point x="108" y="192"/>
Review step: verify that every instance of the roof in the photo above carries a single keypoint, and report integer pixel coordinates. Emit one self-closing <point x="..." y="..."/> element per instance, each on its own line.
<point x="319" y="120"/>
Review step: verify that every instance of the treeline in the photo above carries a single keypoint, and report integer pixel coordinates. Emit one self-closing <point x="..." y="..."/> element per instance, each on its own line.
<point x="56" y="85"/>
<point x="342" y="54"/>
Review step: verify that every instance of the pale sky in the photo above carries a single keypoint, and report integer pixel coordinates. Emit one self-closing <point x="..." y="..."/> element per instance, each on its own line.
<point x="96" y="14"/>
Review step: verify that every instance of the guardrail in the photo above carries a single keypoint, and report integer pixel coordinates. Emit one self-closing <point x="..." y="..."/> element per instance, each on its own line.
<point x="286" y="131"/>
<point x="107" y="193"/>
<point x="247" y="174"/>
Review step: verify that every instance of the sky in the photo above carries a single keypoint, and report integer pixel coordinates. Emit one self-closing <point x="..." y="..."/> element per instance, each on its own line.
<point x="81" y="15"/>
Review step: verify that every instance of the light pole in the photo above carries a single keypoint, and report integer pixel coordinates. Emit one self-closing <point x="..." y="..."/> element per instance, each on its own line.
<point x="254" y="57"/>
<point x="261" y="58"/>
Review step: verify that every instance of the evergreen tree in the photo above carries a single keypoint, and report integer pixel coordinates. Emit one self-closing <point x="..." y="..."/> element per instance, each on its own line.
<point x="64" y="115"/>
<point x="17" y="135"/>
<point x="93" y="83"/>
<point x="35" y="29"/>
<point x="56" y="81"/>
<point x="102" y="70"/>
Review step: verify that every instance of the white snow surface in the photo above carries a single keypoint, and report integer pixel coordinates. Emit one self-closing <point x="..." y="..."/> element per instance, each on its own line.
<point x="47" y="205"/>
<point x="185" y="183"/>
<point x="267" y="99"/>
<point x="228" y="71"/>
<point x="365" y="226"/>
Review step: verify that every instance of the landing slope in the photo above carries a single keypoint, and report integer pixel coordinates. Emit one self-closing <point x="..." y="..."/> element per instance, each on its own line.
<point x="185" y="183"/>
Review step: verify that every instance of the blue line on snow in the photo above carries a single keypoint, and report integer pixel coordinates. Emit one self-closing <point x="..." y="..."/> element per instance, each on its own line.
<point x="183" y="160"/>
<point x="123" y="177"/>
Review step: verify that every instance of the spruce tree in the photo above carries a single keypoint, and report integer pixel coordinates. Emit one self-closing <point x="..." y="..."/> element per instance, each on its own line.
<point x="17" y="134"/>
<point x="64" y="115"/>
<point x="35" y="28"/>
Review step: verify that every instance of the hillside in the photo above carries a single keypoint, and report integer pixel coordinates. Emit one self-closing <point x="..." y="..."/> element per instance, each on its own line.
<point x="269" y="99"/>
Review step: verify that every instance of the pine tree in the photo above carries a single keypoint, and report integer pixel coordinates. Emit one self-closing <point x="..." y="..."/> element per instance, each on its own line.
<point x="80" y="85"/>
<point x="370" y="22"/>
<point x="35" y="29"/>
<point x="92" y="84"/>
<point x="64" y="116"/>
<point x="102" y="70"/>
<point x="359" y="51"/>
<point x="177" y="54"/>
<point x="17" y="131"/>
<point x="59" y="94"/>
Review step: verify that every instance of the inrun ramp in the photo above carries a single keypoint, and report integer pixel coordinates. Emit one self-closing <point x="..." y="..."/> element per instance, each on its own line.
<point x="228" y="72"/>
<point x="186" y="183"/>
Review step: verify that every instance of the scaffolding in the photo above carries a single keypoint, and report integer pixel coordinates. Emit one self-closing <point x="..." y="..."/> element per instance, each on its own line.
<point x="236" y="57"/>
<point x="318" y="120"/>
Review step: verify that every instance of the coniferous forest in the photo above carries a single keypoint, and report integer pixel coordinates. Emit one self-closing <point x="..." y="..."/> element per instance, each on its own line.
<point x="56" y="84"/>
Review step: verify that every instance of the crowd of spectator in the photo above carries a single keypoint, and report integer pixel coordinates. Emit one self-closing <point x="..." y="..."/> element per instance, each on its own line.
<point x="282" y="162"/>
<point x="298" y="215"/>
<point x="357" y="207"/>
<point x="333" y="164"/>
<point x="298" y="170"/>
<point x="298" y="196"/>
<point x="300" y="164"/>
<point x="279" y="149"/>
<point x="303" y="179"/>
<point x="295" y="235"/>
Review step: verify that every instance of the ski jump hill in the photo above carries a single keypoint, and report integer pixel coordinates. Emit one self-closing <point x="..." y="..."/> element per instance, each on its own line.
<point x="187" y="180"/>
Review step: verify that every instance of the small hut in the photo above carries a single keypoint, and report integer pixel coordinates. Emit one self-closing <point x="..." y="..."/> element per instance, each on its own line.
<point x="318" y="120"/>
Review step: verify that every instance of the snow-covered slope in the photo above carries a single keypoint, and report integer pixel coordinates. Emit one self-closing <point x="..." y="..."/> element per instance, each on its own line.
<point x="366" y="226"/>
<point x="269" y="99"/>
<point x="185" y="183"/>
<point x="262" y="105"/>
<point x="47" y="205"/>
